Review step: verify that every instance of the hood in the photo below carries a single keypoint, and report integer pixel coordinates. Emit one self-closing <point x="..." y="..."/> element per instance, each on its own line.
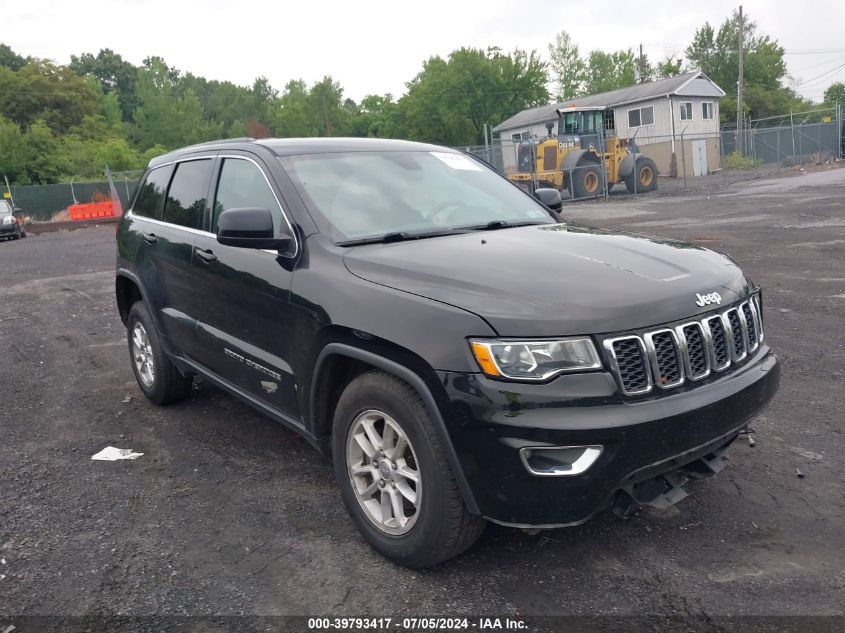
<point x="554" y="280"/>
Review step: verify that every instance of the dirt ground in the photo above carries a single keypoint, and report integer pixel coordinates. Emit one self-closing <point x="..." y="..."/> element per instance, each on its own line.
<point x="229" y="513"/>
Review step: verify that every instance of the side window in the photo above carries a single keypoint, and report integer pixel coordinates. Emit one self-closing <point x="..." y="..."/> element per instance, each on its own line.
<point x="151" y="193"/>
<point x="242" y="184"/>
<point x="185" y="203"/>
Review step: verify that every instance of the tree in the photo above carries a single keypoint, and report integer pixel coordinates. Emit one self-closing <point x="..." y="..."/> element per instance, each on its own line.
<point x="42" y="90"/>
<point x="669" y="67"/>
<point x="450" y="100"/>
<point x="10" y="59"/>
<point x="12" y="150"/>
<point x="376" y="117"/>
<point x="114" y="74"/>
<point x="45" y="161"/>
<point x="292" y="116"/>
<point x="609" y="71"/>
<point x="168" y="114"/>
<point x="716" y="54"/>
<point x="834" y="94"/>
<point x="325" y="100"/>
<point x="567" y="68"/>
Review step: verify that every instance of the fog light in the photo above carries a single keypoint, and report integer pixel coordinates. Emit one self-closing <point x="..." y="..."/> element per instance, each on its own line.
<point x="559" y="461"/>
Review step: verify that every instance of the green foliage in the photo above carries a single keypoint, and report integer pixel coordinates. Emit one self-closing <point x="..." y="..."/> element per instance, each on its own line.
<point x="669" y="67"/>
<point x="376" y="117"/>
<point x="450" y="100"/>
<point x="609" y="71"/>
<point x="42" y="90"/>
<point x="169" y="112"/>
<point x="10" y="59"/>
<point x="13" y="155"/>
<point x="575" y="76"/>
<point x="567" y="68"/>
<point x="116" y="76"/>
<point x="736" y="160"/>
<point x="834" y="94"/>
<point x="716" y="54"/>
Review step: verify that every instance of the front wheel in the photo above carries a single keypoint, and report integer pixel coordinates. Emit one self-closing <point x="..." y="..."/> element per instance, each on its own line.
<point x="394" y="477"/>
<point x="587" y="181"/>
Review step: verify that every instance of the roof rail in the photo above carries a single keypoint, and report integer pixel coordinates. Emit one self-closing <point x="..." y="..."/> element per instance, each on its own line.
<point x="242" y="139"/>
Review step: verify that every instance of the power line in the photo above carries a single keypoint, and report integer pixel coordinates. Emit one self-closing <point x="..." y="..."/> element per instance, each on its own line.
<point x="818" y="77"/>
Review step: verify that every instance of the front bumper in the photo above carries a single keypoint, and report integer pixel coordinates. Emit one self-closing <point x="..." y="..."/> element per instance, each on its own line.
<point x="489" y="421"/>
<point x="8" y="229"/>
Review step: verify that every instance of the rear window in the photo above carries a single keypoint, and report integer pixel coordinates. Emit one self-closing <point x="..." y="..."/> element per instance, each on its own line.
<point x="151" y="193"/>
<point x="185" y="204"/>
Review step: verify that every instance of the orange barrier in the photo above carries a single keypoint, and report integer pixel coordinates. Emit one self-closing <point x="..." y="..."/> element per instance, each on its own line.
<point x="91" y="210"/>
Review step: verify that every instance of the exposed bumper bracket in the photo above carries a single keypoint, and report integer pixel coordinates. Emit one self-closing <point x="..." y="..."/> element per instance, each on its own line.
<point x="667" y="489"/>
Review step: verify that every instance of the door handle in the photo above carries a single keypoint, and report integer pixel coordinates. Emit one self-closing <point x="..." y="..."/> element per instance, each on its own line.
<point x="205" y="255"/>
<point x="150" y="238"/>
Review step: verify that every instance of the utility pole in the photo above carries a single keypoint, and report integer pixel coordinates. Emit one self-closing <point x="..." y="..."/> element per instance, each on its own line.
<point x="739" y="88"/>
<point x="641" y="65"/>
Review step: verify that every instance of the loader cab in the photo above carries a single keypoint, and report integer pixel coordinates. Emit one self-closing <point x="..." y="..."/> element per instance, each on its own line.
<point x="585" y="128"/>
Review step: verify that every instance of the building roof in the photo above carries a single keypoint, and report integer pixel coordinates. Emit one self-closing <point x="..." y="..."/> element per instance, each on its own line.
<point x="614" y="98"/>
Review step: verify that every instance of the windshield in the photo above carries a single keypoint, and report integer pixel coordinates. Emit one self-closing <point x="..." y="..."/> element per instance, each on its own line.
<point x="360" y="195"/>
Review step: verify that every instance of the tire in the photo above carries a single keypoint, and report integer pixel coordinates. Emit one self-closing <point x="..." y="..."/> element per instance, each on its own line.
<point x="437" y="525"/>
<point x="646" y="172"/>
<point x="17" y="234"/>
<point x="157" y="376"/>
<point x="587" y="181"/>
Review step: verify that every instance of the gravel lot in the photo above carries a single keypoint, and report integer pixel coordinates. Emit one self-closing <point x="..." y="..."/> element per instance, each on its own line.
<point x="229" y="513"/>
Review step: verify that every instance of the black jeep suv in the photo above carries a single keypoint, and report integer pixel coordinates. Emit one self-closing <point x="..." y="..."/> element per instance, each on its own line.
<point x="460" y="351"/>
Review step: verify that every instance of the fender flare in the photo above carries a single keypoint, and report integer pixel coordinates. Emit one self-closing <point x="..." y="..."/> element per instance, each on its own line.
<point x="626" y="167"/>
<point x="419" y="386"/>
<point x="127" y="274"/>
<point x="572" y="159"/>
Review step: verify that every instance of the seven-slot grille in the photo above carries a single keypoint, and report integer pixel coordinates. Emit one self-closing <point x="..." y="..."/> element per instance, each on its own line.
<point x="668" y="357"/>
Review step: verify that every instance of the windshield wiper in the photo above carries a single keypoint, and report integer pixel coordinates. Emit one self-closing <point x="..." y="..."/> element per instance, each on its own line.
<point x="395" y="236"/>
<point x="500" y="224"/>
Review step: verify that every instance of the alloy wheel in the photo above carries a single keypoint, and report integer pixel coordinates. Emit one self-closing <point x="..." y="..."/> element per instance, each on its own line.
<point x="384" y="472"/>
<point x="142" y="355"/>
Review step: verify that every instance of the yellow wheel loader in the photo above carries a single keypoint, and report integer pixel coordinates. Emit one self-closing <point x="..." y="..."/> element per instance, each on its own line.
<point x="572" y="160"/>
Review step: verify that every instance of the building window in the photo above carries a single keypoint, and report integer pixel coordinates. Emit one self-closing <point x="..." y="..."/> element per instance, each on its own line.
<point x="707" y="110"/>
<point x="641" y="116"/>
<point x="686" y="111"/>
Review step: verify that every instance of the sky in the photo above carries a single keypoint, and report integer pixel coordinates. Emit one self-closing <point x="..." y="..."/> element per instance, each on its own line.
<point x="376" y="47"/>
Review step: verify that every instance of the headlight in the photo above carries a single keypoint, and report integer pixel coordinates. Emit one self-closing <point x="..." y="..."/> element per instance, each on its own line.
<point x="9" y="219"/>
<point x="534" y="360"/>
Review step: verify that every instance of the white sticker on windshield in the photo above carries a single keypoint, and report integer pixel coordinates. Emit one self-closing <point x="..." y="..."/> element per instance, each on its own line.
<point x="456" y="161"/>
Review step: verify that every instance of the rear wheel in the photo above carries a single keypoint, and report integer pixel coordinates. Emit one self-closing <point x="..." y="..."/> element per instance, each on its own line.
<point x="157" y="377"/>
<point x="644" y="177"/>
<point x="587" y="181"/>
<point x="394" y="477"/>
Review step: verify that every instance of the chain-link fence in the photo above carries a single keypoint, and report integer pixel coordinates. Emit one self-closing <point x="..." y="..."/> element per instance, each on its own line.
<point x="764" y="146"/>
<point x="782" y="142"/>
<point x="607" y="168"/>
<point x="46" y="202"/>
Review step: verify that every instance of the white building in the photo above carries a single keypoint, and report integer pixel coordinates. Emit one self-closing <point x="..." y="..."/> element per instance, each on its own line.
<point x="655" y="114"/>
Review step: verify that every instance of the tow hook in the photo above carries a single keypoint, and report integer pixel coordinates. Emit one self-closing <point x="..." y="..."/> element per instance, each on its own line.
<point x="749" y="433"/>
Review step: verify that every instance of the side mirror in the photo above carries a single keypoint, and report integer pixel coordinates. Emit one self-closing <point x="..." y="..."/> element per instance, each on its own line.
<point x="250" y="227"/>
<point x="549" y="197"/>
